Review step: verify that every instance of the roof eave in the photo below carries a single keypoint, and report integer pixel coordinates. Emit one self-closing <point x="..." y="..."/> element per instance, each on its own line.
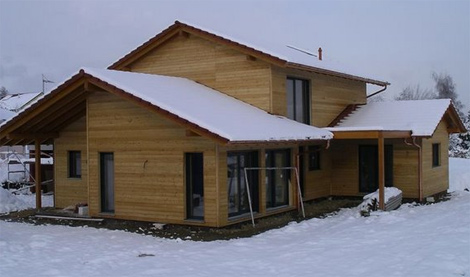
<point x="336" y="73"/>
<point x="178" y="26"/>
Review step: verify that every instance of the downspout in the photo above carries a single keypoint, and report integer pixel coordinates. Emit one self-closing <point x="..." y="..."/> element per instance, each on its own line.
<point x="377" y="92"/>
<point x="420" y="168"/>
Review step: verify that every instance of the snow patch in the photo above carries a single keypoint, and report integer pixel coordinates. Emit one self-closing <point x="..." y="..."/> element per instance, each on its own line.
<point x="10" y="202"/>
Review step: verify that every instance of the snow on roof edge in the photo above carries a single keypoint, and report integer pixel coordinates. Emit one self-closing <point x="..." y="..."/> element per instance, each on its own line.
<point x="320" y="133"/>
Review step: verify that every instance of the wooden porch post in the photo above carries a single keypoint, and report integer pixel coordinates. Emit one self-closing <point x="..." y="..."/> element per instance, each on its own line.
<point x="381" y="171"/>
<point x="37" y="164"/>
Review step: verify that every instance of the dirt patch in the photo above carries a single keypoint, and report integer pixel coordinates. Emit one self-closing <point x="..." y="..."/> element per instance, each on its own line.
<point x="314" y="209"/>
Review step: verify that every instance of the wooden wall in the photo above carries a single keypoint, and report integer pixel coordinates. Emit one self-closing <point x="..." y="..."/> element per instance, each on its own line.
<point x="329" y="95"/>
<point x="345" y="167"/>
<point x="317" y="183"/>
<point x="70" y="191"/>
<point x="216" y="66"/>
<point x="149" y="162"/>
<point x="436" y="179"/>
<point x="405" y="168"/>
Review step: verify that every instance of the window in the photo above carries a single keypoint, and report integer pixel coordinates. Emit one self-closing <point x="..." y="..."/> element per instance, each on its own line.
<point x="314" y="158"/>
<point x="436" y="154"/>
<point x="298" y="100"/>
<point x="75" y="164"/>
<point x="194" y="173"/>
<point x="107" y="182"/>
<point x="237" y="189"/>
<point x="277" y="180"/>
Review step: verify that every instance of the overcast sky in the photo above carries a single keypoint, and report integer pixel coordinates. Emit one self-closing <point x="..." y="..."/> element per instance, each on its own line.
<point x="402" y="42"/>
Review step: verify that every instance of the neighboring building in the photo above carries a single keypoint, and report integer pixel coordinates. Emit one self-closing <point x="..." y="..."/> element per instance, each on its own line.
<point x="168" y="132"/>
<point x="17" y="158"/>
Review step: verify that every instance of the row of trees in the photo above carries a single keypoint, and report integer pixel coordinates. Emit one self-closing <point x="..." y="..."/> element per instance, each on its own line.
<point x="444" y="88"/>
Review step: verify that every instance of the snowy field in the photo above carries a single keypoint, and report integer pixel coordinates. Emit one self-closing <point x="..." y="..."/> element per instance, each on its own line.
<point x="431" y="240"/>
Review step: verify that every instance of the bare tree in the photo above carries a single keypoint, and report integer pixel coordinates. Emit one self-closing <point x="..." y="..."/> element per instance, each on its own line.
<point x="3" y="92"/>
<point x="415" y="93"/>
<point x="445" y="88"/>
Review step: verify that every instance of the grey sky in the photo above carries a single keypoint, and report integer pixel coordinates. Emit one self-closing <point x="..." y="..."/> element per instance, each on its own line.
<point x="399" y="41"/>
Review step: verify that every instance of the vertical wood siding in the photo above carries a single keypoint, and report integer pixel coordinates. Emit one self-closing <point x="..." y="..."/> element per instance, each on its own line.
<point x="329" y="95"/>
<point x="216" y="66"/>
<point x="436" y="179"/>
<point x="148" y="160"/>
<point x="70" y="191"/>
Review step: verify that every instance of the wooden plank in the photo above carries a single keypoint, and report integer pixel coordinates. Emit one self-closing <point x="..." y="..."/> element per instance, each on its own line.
<point x="37" y="168"/>
<point x="35" y="136"/>
<point x="213" y="65"/>
<point x="381" y="160"/>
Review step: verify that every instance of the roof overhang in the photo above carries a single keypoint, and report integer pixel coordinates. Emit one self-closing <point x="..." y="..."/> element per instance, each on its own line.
<point x="42" y="120"/>
<point x="369" y="134"/>
<point x="67" y="103"/>
<point x="453" y="120"/>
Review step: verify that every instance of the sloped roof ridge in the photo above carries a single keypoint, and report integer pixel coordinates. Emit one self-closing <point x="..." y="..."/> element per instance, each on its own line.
<point x="275" y="57"/>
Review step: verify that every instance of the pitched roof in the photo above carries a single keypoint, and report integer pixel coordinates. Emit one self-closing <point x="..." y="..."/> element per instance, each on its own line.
<point x="210" y="109"/>
<point x="203" y="108"/>
<point x="280" y="54"/>
<point x="421" y="117"/>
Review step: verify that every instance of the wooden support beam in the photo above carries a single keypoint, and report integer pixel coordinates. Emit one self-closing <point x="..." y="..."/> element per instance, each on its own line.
<point x="37" y="136"/>
<point x="183" y="34"/>
<point x="58" y="110"/>
<point x="381" y="150"/>
<point x="250" y="58"/>
<point x="37" y="165"/>
<point x="190" y="133"/>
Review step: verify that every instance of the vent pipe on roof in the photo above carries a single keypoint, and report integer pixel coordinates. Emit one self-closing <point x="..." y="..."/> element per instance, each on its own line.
<point x="320" y="53"/>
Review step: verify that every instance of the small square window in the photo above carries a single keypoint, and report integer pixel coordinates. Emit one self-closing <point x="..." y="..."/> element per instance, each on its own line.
<point x="314" y="158"/>
<point x="75" y="164"/>
<point x="436" y="154"/>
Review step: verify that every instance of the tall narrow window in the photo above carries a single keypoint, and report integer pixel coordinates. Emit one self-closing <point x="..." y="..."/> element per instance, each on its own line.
<point x="298" y="100"/>
<point x="436" y="154"/>
<point x="107" y="182"/>
<point x="194" y="173"/>
<point x="237" y="187"/>
<point x="75" y="164"/>
<point x="314" y="158"/>
<point x="277" y="180"/>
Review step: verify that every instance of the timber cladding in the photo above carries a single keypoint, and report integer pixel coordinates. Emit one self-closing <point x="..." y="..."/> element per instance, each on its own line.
<point x="70" y="191"/>
<point x="436" y="178"/>
<point x="405" y="168"/>
<point x="345" y="167"/>
<point x="329" y="95"/>
<point x="148" y="162"/>
<point x="214" y="65"/>
<point x="317" y="183"/>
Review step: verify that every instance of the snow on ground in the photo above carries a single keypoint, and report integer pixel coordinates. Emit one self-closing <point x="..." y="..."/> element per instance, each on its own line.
<point x="459" y="174"/>
<point x="10" y="202"/>
<point x="430" y="240"/>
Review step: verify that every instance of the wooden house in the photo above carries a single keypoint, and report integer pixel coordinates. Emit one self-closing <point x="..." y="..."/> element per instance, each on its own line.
<point x="195" y="128"/>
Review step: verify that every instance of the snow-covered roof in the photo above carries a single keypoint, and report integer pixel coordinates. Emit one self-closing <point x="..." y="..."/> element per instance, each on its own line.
<point x="209" y="109"/>
<point x="6" y="114"/>
<point x="15" y="102"/>
<point x="421" y="117"/>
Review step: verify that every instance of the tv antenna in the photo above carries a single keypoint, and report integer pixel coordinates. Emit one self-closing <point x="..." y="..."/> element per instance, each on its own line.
<point x="44" y="81"/>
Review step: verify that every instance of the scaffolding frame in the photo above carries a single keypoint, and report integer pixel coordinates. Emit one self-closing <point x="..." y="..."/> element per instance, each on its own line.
<point x="299" y="190"/>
